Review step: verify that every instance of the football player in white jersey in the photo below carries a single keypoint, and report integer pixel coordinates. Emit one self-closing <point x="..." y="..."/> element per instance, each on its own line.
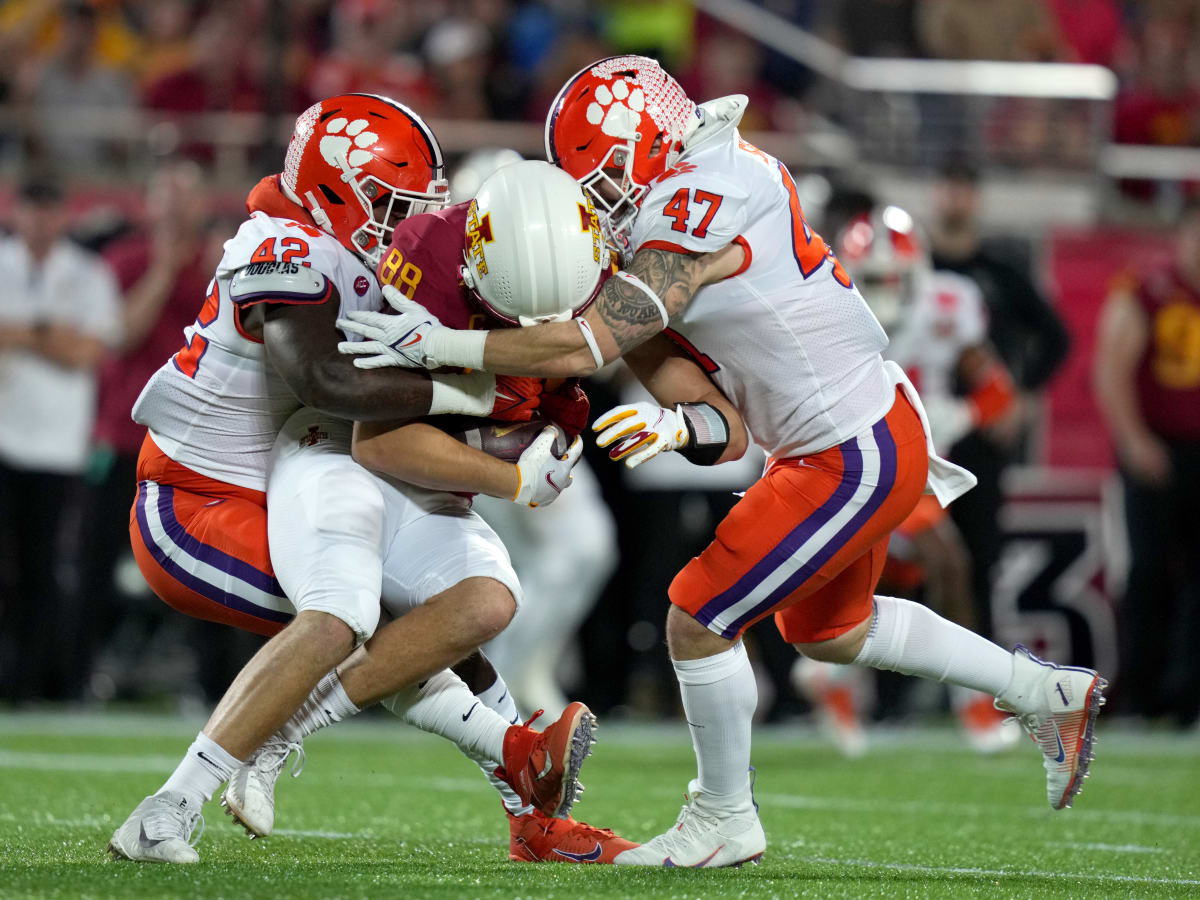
<point x="937" y="328"/>
<point x="424" y="535"/>
<point x="263" y="345"/>
<point x="723" y="259"/>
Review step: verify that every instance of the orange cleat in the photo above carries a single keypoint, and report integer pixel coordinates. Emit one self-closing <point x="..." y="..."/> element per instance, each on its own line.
<point x="543" y="766"/>
<point x="539" y="838"/>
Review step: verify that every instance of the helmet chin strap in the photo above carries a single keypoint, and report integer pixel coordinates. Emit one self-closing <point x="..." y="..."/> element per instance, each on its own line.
<point x="317" y="213"/>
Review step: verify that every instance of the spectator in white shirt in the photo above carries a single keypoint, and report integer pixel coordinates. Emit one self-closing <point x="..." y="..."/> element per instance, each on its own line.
<point x="59" y="314"/>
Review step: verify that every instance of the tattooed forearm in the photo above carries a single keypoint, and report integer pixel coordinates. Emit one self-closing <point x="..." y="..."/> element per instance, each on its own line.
<point x="621" y="318"/>
<point x="630" y="315"/>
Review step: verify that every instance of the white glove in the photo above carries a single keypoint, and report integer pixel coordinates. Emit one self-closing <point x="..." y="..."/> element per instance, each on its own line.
<point x="543" y="476"/>
<point x="413" y="338"/>
<point x="641" y="432"/>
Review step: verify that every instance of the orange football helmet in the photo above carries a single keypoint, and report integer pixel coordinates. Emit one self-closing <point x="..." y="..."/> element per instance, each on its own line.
<point x="885" y="254"/>
<point x="359" y="163"/>
<point x="614" y="127"/>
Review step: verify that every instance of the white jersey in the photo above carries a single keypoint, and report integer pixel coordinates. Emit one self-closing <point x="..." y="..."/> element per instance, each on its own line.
<point x="946" y="316"/>
<point x="788" y="339"/>
<point x="217" y="404"/>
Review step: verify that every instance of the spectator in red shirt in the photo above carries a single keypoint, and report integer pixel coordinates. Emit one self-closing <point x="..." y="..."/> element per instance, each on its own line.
<point x="1147" y="381"/>
<point x="1091" y="30"/>
<point x="1161" y="106"/>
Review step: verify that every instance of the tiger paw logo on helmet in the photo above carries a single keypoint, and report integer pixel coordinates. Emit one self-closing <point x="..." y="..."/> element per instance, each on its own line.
<point x="617" y="110"/>
<point x="340" y="134"/>
<point x="360" y="163"/>
<point x="613" y="127"/>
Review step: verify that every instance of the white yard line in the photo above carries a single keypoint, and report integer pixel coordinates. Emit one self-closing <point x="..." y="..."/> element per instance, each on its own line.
<point x="998" y="873"/>
<point x="1109" y="848"/>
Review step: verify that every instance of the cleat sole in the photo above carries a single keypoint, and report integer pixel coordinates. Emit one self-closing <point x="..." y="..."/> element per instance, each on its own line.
<point x="1084" y="753"/>
<point x="579" y="749"/>
<point x="755" y="860"/>
<point x="237" y="819"/>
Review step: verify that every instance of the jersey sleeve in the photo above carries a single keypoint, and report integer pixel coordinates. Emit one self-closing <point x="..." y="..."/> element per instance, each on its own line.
<point x="691" y="212"/>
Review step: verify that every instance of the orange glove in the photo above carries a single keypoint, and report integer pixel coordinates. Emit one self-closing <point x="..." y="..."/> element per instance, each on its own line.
<point x="516" y="398"/>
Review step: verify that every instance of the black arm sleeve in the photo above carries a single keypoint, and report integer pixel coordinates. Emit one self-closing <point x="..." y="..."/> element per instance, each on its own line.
<point x="301" y="343"/>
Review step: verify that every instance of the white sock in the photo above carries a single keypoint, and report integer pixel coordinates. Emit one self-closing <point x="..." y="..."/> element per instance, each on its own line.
<point x="500" y="701"/>
<point x="912" y="639"/>
<point x="328" y="703"/>
<point x="445" y="705"/>
<point x="719" y="696"/>
<point x="205" y="767"/>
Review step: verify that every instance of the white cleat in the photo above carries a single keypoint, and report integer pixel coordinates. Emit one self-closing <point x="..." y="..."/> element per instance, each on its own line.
<point x="159" y="830"/>
<point x="703" y="837"/>
<point x="1057" y="706"/>
<point x="250" y="795"/>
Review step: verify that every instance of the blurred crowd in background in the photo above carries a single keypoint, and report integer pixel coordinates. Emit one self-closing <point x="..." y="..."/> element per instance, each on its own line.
<point x="94" y="296"/>
<point x="501" y="60"/>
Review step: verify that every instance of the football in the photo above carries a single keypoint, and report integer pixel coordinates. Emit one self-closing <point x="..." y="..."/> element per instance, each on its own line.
<point x="503" y="440"/>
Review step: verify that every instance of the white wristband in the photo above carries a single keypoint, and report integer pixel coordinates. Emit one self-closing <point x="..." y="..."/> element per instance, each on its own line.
<point x="449" y="347"/>
<point x="590" y="339"/>
<point x="469" y="394"/>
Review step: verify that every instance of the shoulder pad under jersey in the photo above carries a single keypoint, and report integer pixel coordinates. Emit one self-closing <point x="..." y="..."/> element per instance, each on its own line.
<point x="278" y="282"/>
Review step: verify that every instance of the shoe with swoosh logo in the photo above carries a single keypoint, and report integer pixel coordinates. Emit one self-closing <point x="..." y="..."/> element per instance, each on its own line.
<point x="1057" y="706"/>
<point x="160" y="830"/>
<point x="536" y="837"/>
<point x="543" y="766"/>
<point x="704" y="836"/>
<point x="249" y="798"/>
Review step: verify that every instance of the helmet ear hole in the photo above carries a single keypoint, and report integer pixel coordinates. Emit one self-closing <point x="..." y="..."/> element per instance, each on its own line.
<point x="330" y="196"/>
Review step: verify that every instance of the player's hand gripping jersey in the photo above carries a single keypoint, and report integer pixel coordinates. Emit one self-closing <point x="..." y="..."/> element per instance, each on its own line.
<point x="788" y="339"/>
<point x="217" y="405"/>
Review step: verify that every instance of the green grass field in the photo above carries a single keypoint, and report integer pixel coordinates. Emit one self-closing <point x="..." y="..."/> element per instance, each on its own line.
<point x="382" y="811"/>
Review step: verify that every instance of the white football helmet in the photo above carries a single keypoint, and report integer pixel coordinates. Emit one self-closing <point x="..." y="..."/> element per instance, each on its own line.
<point x="535" y="251"/>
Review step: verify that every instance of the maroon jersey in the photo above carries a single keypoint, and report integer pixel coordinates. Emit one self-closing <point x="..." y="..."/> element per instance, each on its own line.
<point x="1168" y="378"/>
<point x="423" y="263"/>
